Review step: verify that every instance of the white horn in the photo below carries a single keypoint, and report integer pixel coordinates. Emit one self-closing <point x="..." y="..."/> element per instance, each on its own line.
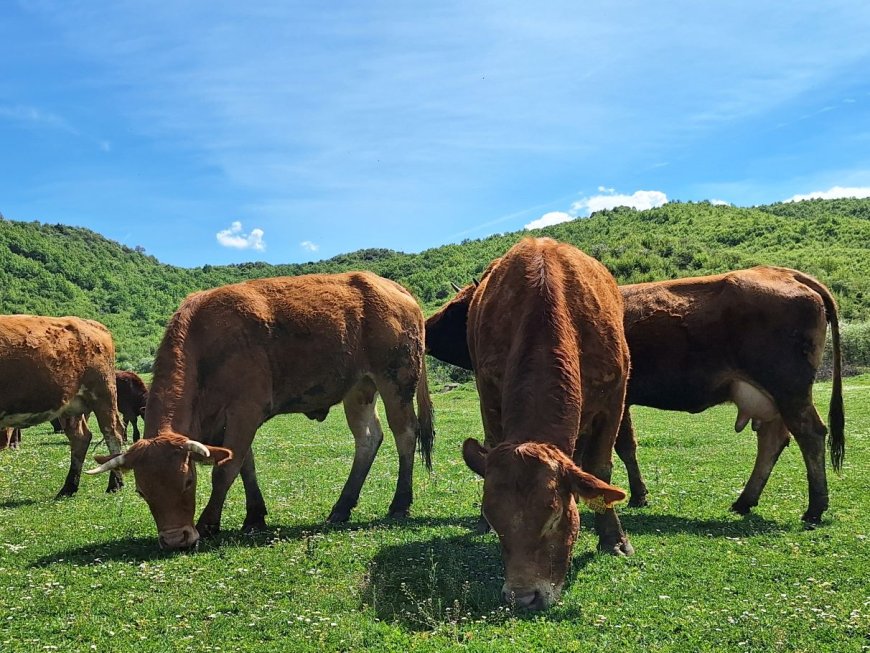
<point x="109" y="465"/>
<point x="197" y="447"/>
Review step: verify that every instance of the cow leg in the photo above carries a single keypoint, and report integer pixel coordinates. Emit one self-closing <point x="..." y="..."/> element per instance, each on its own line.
<point x="596" y="458"/>
<point x="403" y="424"/>
<point x="362" y="418"/>
<point x="240" y="430"/>
<point x="772" y="439"/>
<point x="255" y="505"/>
<point x="626" y="449"/>
<point x="136" y="434"/>
<point x="110" y="427"/>
<point x="76" y="430"/>
<point x="809" y="432"/>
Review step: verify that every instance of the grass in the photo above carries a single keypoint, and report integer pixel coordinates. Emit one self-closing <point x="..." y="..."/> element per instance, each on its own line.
<point x="85" y="573"/>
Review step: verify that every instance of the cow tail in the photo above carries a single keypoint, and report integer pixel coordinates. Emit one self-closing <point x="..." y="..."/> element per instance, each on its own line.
<point x="836" y="414"/>
<point x="425" y="418"/>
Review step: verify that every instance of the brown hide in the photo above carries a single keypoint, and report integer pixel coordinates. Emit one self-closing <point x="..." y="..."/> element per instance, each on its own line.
<point x="132" y="398"/>
<point x="59" y="366"/>
<point x="235" y="356"/>
<point x="754" y="337"/>
<point x="545" y="338"/>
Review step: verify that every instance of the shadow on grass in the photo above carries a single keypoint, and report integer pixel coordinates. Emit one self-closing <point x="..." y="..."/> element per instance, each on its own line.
<point x="17" y="503"/>
<point x="445" y="582"/>
<point x="141" y="549"/>
<point x="642" y="523"/>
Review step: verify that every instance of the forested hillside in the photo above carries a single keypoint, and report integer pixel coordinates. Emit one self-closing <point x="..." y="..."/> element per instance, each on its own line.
<point x="59" y="270"/>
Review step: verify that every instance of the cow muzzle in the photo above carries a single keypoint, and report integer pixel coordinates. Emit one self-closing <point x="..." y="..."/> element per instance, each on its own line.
<point x="185" y="537"/>
<point x="537" y="598"/>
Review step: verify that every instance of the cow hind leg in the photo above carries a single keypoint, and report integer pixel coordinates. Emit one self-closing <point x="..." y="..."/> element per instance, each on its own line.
<point x="76" y="430"/>
<point x="110" y="427"/>
<point x="136" y="434"/>
<point x="772" y="439"/>
<point x="403" y="423"/>
<point x="809" y="432"/>
<point x="626" y="449"/>
<point x="362" y="418"/>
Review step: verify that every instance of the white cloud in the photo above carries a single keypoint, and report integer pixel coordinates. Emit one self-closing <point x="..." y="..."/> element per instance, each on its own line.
<point x="835" y="193"/>
<point x="720" y="203"/>
<point x="548" y="219"/>
<point x="309" y="246"/>
<point x="640" y="200"/>
<point x="235" y="238"/>
<point x="604" y="189"/>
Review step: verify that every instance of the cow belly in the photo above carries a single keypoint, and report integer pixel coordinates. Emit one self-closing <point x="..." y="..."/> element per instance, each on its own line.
<point x="76" y="406"/>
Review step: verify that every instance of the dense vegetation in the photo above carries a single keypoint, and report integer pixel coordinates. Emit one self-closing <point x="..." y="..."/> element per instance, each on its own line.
<point x="85" y="573"/>
<point x="55" y="269"/>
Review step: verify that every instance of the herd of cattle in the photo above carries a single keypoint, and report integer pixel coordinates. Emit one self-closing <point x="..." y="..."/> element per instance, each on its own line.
<point x="559" y="353"/>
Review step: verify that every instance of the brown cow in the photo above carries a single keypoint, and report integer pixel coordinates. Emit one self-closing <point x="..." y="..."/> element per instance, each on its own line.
<point x="132" y="397"/>
<point x="545" y="337"/>
<point x="59" y="366"/>
<point x="754" y="337"/>
<point x="10" y="438"/>
<point x="236" y="356"/>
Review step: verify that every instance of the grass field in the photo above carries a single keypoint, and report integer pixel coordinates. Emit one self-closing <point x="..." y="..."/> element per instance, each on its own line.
<point x="85" y="573"/>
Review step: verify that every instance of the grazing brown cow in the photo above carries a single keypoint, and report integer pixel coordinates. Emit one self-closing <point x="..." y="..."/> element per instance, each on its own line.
<point x="10" y="438"/>
<point x="132" y="397"/>
<point x="59" y="366"/>
<point x="545" y="338"/>
<point x="754" y="337"/>
<point x="236" y="356"/>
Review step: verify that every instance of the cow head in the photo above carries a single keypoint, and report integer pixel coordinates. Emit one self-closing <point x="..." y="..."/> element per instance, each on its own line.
<point x="446" y="337"/>
<point x="166" y="478"/>
<point x="530" y="492"/>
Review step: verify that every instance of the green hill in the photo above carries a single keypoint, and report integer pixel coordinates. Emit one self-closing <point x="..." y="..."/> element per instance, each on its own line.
<point x="59" y="270"/>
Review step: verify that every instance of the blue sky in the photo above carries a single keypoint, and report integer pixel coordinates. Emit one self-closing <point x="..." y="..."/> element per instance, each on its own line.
<point x="218" y="132"/>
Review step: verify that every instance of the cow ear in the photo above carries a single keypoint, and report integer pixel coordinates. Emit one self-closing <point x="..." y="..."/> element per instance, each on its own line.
<point x="592" y="491"/>
<point x="447" y="332"/>
<point x="474" y="454"/>
<point x="217" y="456"/>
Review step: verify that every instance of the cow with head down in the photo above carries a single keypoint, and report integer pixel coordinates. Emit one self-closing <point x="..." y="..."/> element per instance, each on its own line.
<point x="60" y="367"/>
<point x="752" y="337"/>
<point x="544" y="336"/>
<point x="234" y="357"/>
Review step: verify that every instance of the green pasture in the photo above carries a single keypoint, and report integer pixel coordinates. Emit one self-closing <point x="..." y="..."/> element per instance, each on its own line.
<point x="85" y="574"/>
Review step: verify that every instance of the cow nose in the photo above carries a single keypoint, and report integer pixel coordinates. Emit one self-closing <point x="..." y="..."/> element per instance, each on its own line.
<point x="526" y="600"/>
<point x="179" y="538"/>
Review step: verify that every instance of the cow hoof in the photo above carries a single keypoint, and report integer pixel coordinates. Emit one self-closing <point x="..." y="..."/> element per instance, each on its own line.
<point x="208" y="530"/>
<point x="621" y="549"/>
<point x="65" y="492"/>
<point x="638" y="502"/>
<point x="812" y="519"/>
<point x="115" y="483"/>
<point x="740" y="507"/>
<point x="399" y="513"/>
<point x="338" y="516"/>
<point x="254" y="526"/>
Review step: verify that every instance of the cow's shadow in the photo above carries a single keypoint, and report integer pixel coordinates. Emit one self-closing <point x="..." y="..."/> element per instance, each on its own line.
<point x="641" y="522"/>
<point x="142" y="549"/>
<point x="16" y="503"/>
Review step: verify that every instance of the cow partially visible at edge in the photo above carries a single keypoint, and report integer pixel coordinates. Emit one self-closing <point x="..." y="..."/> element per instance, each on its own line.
<point x="132" y="399"/>
<point x="60" y="367"/>
<point x="545" y="338"/>
<point x="236" y="356"/>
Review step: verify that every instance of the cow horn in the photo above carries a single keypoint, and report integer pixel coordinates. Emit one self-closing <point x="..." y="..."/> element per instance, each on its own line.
<point x="197" y="447"/>
<point x="109" y="465"/>
<point x="455" y="287"/>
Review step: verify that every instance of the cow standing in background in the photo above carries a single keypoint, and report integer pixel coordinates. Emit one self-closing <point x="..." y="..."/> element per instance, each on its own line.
<point x="60" y="367"/>
<point x="132" y="398"/>
<point x="10" y="437"/>
<point x="754" y="337"/>
<point x="234" y="357"/>
<point x="545" y="338"/>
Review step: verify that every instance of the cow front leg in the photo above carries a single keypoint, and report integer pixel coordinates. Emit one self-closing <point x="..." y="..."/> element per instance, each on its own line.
<point x="136" y="434"/>
<point x="79" y="437"/>
<point x="111" y="428"/>
<point x="362" y="418"/>
<point x="222" y="477"/>
<point x="772" y="440"/>
<point x="255" y="505"/>
<point x="626" y="449"/>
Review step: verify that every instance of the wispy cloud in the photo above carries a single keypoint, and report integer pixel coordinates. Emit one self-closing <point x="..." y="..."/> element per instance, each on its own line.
<point x="835" y="193"/>
<point x="607" y="198"/>
<point x="235" y="238"/>
<point x="35" y="117"/>
<point x="308" y="246"/>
